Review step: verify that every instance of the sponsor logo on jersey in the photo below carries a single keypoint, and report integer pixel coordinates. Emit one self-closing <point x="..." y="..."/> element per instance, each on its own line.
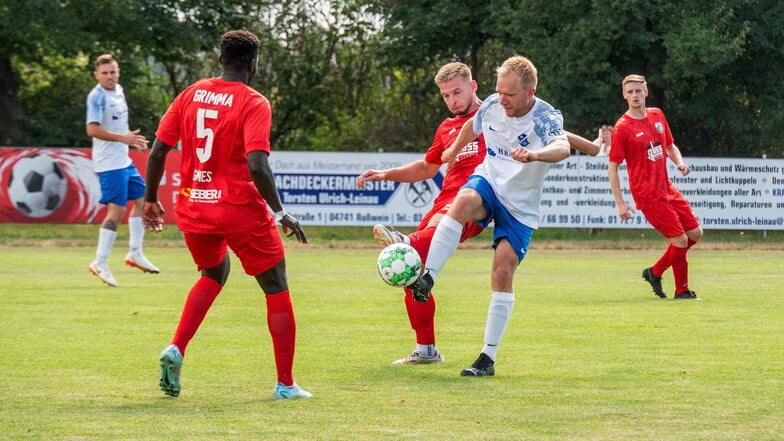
<point x="202" y="195"/>
<point x="470" y="149"/>
<point x="555" y="133"/>
<point x="655" y="151"/>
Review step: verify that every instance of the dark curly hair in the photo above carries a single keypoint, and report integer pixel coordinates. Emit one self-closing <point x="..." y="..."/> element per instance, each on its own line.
<point x="239" y="48"/>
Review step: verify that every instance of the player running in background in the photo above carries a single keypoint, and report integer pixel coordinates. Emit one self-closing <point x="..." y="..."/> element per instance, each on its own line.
<point x="458" y="89"/>
<point x="524" y="135"/>
<point x="643" y="139"/>
<point x="224" y="126"/>
<point x="107" y="124"/>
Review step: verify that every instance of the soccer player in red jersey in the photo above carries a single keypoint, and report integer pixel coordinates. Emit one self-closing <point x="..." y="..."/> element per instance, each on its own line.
<point x="642" y="138"/>
<point x="227" y="183"/>
<point x="458" y="90"/>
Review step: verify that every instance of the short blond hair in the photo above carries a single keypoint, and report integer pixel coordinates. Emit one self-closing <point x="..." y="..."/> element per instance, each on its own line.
<point x="103" y="59"/>
<point x="523" y="68"/>
<point x="635" y="78"/>
<point x="451" y="70"/>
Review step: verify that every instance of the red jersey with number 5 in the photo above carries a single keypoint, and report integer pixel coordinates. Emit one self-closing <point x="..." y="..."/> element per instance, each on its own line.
<point x="643" y="144"/>
<point x="218" y="123"/>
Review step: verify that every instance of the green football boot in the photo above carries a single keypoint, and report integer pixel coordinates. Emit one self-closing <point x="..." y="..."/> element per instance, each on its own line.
<point x="171" y="363"/>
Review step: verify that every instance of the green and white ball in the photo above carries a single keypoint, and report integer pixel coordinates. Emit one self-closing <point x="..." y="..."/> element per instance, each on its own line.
<point x="399" y="264"/>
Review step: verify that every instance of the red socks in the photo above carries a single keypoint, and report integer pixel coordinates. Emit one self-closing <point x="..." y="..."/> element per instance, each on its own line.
<point x="422" y="318"/>
<point x="680" y="269"/>
<point x="422" y="315"/>
<point x="665" y="261"/>
<point x="199" y="300"/>
<point x="283" y="329"/>
<point x="280" y="321"/>
<point x="420" y="241"/>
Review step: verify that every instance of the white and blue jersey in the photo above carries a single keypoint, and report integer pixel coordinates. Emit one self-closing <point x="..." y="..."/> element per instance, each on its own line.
<point x="517" y="185"/>
<point x="109" y="109"/>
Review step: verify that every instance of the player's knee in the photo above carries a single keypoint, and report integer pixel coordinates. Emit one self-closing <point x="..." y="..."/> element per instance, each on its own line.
<point x="681" y="241"/>
<point x="465" y="204"/>
<point x="695" y="234"/>
<point x="273" y="281"/>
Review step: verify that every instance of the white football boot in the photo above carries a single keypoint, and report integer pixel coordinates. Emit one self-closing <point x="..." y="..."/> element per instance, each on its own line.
<point x="103" y="273"/>
<point x="136" y="259"/>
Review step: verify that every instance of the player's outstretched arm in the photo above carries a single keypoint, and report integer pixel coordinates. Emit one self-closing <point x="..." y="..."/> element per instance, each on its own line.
<point x="577" y="142"/>
<point x="465" y="136"/>
<point x="557" y="150"/>
<point x="412" y="172"/>
<point x="370" y="175"/>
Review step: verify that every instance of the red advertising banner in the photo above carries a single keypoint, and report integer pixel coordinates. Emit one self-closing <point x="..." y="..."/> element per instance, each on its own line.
<point x="58" y="185"/>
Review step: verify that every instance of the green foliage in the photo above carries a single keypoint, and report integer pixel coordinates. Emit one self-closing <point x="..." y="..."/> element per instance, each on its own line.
<point x="315" y="71"/>
<point x="357" y="74"/>
<point x="54" y="97"/>
<point x="53" y="114"/>
<point x="707" y="63"/>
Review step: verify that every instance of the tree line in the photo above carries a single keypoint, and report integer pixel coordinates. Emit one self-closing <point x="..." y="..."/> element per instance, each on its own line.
<point x="357" y="75"/>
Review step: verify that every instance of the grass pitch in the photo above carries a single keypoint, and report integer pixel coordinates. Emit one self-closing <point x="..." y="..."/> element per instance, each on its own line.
<point x="590" y="353"/>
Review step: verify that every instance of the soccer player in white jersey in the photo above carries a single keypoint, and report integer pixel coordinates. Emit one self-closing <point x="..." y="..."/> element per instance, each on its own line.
<point x="107" y="124"/>
<point x="523" y="135"/>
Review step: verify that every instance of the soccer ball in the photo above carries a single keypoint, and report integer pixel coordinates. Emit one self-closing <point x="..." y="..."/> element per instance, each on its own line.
<point x="37" y="185"/>
<point x="399" y="264"/>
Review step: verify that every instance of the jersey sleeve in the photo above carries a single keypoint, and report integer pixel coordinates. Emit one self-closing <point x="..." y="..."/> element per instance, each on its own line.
<point x="96" y="102"/>
<point x="169" y="126"/>
<point x="480" y="114"/>
<point x="617" y="143"/>
<point x="549" y="126"/>
<point x="668" y="139"/>
<point x="433" y="154"/>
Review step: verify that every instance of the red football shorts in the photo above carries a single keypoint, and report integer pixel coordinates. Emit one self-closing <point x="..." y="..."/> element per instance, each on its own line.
<point x="258" y="249"/>
<point x="470" y="229"/>
<point x="673" y="218"/>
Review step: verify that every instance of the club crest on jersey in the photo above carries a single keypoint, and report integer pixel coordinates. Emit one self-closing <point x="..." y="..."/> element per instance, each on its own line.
<point x="522" y="139"/>
<point x="659" y="127"/>
<point x="655" y="151"/>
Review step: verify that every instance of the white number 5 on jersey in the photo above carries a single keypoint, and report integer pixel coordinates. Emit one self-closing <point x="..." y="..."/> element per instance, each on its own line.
<point x="204" y="153"/>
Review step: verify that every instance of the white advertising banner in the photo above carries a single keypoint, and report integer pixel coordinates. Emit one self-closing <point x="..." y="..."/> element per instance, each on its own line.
<point x="731" y="194"/>
<point x="321" y="189"/>
<point x="725" y="193"/>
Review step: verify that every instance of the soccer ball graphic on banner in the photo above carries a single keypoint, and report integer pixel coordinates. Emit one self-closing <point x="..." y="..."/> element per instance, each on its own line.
<point x="37" y="185"/>
<point x="399" y="264"/>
